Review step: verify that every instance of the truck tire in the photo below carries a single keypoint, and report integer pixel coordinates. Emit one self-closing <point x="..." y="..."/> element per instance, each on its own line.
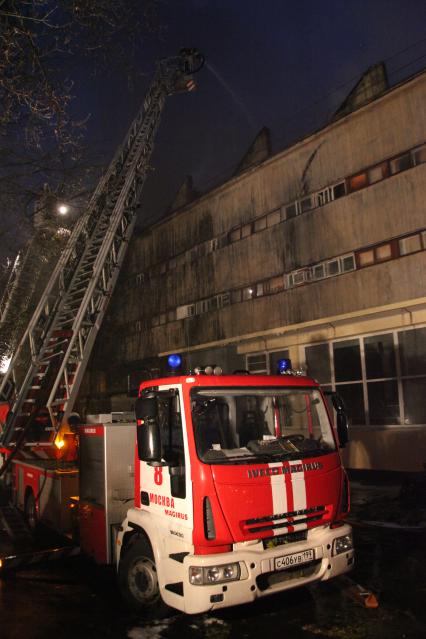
<point x="31" y="512"/>
<point x="138" y="581"/>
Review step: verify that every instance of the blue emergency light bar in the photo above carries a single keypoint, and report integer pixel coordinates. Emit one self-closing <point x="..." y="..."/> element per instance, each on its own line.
<point x="283" y="366"/>
<point x="174" y="361"/>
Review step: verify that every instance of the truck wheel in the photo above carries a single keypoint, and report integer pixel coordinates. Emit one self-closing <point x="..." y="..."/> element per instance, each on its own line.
<point x="31" y="512"/>
<point x="138" y="581"/>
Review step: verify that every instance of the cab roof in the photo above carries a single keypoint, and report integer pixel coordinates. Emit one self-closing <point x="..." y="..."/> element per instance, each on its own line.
<point x="203" y="380"/>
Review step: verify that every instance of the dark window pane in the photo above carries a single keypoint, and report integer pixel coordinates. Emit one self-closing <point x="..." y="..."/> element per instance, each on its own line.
<point x="347" y="360"/>
<point x="257" y="363"/>
<point x="414" y="400"/>
<point x="383" y="403"/>
<point x="379" y="356"/>
<point x="339" y="190"/>
<point x="274" y="358"/>
<point x="353" y="397"/>
<point x="412" y="346"/>
<point x="318" y="362"/>
<point x="291" y="210"/>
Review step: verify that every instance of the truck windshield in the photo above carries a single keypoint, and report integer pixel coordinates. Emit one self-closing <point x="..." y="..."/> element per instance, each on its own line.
<point x="260" y="424"/>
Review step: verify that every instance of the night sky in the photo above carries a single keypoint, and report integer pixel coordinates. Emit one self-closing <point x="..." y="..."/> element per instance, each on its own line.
<point x="272" y="63"/>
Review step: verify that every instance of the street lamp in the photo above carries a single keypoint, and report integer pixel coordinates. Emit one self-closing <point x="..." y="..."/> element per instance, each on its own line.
<point x="63" y="209"/>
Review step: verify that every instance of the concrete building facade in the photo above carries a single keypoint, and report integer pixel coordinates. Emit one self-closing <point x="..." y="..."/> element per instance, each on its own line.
<point x="317" y="252"/>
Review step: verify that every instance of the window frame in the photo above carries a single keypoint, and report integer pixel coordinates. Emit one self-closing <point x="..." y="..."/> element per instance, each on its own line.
<point x="399" y="378"/>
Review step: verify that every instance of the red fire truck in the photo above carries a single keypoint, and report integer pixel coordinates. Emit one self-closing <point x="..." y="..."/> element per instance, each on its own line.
<point x="239" y="491"/>
<point x="235" y="489"/>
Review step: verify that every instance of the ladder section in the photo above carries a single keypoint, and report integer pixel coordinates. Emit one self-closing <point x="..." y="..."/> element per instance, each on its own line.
<point x="50" y="361"/>
<point x="15" y="268"/>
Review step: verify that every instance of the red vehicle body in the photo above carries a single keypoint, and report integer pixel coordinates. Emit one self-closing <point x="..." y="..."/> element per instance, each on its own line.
<point x="239" y="492"/>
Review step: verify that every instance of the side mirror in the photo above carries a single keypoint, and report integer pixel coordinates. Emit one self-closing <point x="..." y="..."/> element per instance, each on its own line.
<point x="148" y="429"/>
<point x="338" y="403"/>
<point x="341" y="417"/>
<point x="342" y="428"/>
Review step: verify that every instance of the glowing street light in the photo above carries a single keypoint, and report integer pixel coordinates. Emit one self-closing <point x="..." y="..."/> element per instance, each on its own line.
<point x="63" y="209"/>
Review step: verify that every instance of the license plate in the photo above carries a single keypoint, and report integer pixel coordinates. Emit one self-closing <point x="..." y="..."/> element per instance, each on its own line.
<point x="288" y="561"/>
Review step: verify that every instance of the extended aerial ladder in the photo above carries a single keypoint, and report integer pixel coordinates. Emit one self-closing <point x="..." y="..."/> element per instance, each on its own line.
<point x="48" y="365"/>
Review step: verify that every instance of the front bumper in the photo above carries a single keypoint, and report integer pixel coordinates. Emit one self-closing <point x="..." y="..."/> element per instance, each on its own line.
<point x="258" y="575"/>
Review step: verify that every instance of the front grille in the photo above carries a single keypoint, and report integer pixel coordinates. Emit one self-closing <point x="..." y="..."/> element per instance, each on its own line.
<point x="285" y="520"/>
<point x="270" y="579"/>
<point x="282" y="540"/>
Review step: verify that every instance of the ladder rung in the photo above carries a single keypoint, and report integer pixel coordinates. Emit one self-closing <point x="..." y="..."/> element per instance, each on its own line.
<point x="58" y="402"/>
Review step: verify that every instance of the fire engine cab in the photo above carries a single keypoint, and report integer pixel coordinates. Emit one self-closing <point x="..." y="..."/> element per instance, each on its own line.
<point x="239" y="491"/>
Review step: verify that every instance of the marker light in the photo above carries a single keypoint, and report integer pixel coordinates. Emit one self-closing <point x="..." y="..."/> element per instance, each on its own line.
<point x="174" y="361"/>
<point x="283" y="366"/>
<point x="59" y="443"/>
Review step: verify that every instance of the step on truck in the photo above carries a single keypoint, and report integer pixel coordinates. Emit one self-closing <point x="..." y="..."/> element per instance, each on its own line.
<point x="239" y="491"/>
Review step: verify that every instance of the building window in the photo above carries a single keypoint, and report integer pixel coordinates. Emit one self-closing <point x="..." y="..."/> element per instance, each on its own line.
<point x="410" y="245"/>
<point x="257" y="363"/>
<point x="236" y="296"/>
<point x="291" y="210"/>
<point x="357" y="182"/>
<point x="235" y="235"/>
<point x="333" y="267"/>
<point x="382" y="378"/>
<point x="201" y="307"/>
<point x="139" y="279"/>
<point x="419" y="155"/>
<point x="185" y="311"/>
<point x="222" y="241"/>
<point x="248" y="293"/>
<point x="318" y="272"/>
<point x="223" y="300"/>
<point x="260" y="289"/>
<point x="339" y="190"/>
<point x="382" y="386"/>
<point x="275" y="284"/>
<point x="299" y="277"/>
<point x="347" y="262"/>
<point x="246" y="230"/>
<point x="212" y="245"/>
<point x="306" y="204"/>
<point x="348" y="377"/>
<point x="377" y="173"/>
<point x="318" y="362"/>
<point x="383" y="252"/>
<point x="324" y="197"/>
<point x="412" y="349"/>
<point x="260" y="224"/>
<point x="273" y="218"/>
<point x="365" y="258"/>
<point x="402" y="163"/>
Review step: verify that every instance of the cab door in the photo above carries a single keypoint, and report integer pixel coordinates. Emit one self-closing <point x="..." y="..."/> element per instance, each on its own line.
<point x="166" y="489"/>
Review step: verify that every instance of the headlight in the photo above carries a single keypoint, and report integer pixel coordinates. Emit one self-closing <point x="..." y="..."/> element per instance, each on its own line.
<point x="200" y="576"/>
<point x="342" y="544"/>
